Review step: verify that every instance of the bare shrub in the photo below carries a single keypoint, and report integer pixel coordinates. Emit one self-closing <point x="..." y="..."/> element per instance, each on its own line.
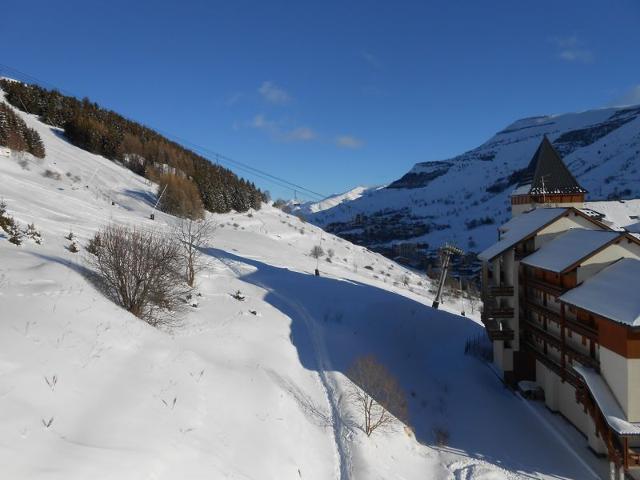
<point x="376" y="394"/>
<point x="51" y="174"/>
<point x="141" y="271"/>
<point x="192" y="235"/>
<point x="316" y="251"/>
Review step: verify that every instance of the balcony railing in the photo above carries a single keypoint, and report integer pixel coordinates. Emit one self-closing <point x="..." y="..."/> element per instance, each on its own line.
<point x="554" y="290"/>
<point x="537" y="330"/>
<point x="498" y="331"/>
<point x="552" y="365"/>
<point x="501" y="291"/>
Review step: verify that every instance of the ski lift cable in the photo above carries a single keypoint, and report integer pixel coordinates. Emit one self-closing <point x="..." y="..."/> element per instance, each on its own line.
<point x="218" y="158"/>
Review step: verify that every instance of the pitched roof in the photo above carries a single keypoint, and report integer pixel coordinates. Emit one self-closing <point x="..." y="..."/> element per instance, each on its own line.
<point x="606" y="400"/>
<point x="611" y="293"/>
<point x="547" y="173"/>
<point x="568" y="248"/>
<point x="521" y="227"/>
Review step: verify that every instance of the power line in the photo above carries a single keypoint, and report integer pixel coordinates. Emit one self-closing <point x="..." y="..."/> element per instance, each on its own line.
<point x="203" y="151"/>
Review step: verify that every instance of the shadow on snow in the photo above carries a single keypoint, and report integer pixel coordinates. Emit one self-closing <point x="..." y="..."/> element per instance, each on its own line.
<point x="424" y="349"/>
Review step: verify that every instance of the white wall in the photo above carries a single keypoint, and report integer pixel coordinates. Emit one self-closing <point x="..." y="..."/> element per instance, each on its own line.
<point x="561" y="397"/>
<point x="623" y="377"/>
<point x="593" y="265"/>
<point x="561" y="225"/>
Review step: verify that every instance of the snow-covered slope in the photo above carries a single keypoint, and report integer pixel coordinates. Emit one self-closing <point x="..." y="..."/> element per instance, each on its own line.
<point x="311" y="207"/>
<point x="240" y="390"/>
<point x="463" y="199"/>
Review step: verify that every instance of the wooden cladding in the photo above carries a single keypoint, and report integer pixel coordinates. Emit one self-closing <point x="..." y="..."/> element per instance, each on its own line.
<point x="557" y="198"/>
<point x="618" y="338"/>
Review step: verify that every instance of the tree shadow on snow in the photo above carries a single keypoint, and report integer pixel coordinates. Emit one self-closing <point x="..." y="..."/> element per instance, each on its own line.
<point x="424" y="349"/>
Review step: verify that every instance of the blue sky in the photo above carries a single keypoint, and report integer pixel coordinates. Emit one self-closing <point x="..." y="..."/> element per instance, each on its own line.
<point x="331" y="94"/>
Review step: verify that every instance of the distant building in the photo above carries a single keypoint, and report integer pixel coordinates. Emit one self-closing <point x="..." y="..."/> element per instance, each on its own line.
<point x="546" y="181"/>
<point x="561" y="294"/>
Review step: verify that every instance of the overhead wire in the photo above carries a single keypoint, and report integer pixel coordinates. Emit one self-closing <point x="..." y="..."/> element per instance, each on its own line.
<point x="209" y="154"/>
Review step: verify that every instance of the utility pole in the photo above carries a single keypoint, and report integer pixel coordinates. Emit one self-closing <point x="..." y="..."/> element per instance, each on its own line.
<point x="153" y="214"/>
<point x="445" y="255"/>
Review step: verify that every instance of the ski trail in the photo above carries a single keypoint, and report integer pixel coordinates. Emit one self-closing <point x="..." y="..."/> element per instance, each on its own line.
<point x="341" y="431"/>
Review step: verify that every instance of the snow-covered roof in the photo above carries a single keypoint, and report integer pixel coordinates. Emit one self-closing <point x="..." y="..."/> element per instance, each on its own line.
<point x="611" y="293"/>
<point x="607" y="402"/>
<point x="618" y="214"/>
<point x="521" y="227"/>
<point x="568" y="248"/>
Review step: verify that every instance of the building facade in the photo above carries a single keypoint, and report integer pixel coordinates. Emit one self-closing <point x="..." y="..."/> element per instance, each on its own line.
<point x="547" y="318"/>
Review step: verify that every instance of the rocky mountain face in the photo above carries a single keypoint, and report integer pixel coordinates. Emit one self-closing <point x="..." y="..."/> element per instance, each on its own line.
<point x="463" y="199"/>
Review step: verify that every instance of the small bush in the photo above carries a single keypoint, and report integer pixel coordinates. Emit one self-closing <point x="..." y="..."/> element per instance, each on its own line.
<point x="15" y="234"/>
<point x="73" y="247"/>
<point x="33" y="233"/>
<point x="142" y="271"/>
<point x="317" y="251"/>
<point x="51" y="174"/>
<point x="94" y="244"/>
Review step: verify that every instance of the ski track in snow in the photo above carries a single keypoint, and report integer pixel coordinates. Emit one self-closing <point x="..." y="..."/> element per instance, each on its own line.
<point x="341" y="431"/>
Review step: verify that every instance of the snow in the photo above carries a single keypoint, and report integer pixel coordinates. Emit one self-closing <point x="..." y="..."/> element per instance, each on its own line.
<point x="477" y="186"/>
<point x="607" y="403"/>
<point x="308" y="208"/>
<point x="229" y="393"/>
<point x="619" y="214"/>
<point x="611" y="293"/>
<point x="520" y="228"/>
<point x="569" y="248"/>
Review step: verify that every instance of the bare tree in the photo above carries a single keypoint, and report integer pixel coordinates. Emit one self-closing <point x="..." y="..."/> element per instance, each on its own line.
<point x="376" y="394"/>
<point x="141" y="271"/>
<point x="316" y="251"/>
<point x="192" y="235"/>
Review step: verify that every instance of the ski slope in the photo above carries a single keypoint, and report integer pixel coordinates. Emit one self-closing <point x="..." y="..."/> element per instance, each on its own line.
<point x="253" y="389"/>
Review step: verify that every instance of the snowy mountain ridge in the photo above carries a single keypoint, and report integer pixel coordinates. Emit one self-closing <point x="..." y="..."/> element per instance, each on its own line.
<point x="464" y="199"/>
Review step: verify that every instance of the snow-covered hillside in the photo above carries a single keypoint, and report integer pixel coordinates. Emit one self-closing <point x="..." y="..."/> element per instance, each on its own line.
<point x="463" y="199"/>
<point x="311" y="207"/>
<point x="253" y="389"/>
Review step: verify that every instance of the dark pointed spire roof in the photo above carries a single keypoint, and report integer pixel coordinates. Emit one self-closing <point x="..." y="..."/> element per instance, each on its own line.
<point x="547" y="173"/>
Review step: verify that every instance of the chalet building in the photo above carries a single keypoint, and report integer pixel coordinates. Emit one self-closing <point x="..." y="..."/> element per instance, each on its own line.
<point x="546" y="181"/>
<point x="561" y="298"/>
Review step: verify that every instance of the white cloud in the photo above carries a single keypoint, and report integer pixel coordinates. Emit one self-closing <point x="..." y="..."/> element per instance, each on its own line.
<point x="278" y="131"/>
<point x="274" y="94"/>
<point x="571" y="49"/>
<point x="631" y="97"/>
<point x="348" y="141"/>
<point x="302" y="134"/>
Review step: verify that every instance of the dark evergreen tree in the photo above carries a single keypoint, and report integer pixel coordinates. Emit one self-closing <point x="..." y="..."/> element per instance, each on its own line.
<point x="139" y="148"/>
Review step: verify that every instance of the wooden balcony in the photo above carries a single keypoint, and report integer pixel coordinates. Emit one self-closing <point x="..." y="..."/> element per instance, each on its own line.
<point x="633" y="457"/>
<point x="552" y="365"/>
<point x="554" y="290"/>
<point x="542" y="310"/>
<point x="537" y="330"/>
<point x="581" y="329"/>
<point x="501" y="291"/>
<point x="497" y="331"/>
